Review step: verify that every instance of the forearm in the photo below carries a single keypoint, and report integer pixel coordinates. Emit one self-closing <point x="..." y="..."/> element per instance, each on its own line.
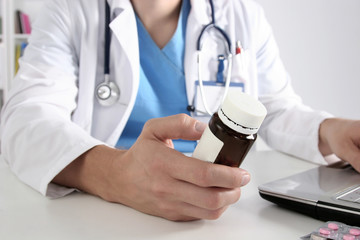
<point x="89" y="172"/>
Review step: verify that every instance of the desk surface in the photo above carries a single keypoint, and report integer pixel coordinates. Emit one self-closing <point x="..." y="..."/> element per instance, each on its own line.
<point x="25" y="214"/>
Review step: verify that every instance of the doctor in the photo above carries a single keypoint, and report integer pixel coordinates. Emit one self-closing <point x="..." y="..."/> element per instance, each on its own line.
<point x="57" y="136"/>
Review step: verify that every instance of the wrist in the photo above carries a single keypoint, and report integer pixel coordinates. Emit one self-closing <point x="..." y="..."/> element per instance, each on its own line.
<point x="89" y="172"/>
<point x="325" y="129"/>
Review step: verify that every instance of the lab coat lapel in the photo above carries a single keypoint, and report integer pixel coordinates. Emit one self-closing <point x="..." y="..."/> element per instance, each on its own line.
<point x="124" y="29"/>
<point x="201" y="11"/>
<point x="83" y="114"/>
<point x="124" y="67"/>
<point x="198" y="17"/>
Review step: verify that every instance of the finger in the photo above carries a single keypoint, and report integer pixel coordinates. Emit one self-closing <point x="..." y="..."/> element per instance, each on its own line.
<point x="351" y="154"/>
<point x="179" y="126"/>
<point x="206" y="198"/>
<point x="205" y="174"/>
<point x="186" y="212"/>
<point x="355" y="158"/>
<point x="192" y="212"/>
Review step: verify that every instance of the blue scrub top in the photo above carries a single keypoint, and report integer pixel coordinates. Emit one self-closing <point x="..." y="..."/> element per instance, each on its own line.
<point x="162" y="89"/>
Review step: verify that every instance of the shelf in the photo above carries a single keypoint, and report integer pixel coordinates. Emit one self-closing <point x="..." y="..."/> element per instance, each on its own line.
<point x="9" y="38"/>
<point x="21" y="36"/>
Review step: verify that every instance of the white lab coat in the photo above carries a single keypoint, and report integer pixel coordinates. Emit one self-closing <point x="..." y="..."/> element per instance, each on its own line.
<point x="51" y="116"/>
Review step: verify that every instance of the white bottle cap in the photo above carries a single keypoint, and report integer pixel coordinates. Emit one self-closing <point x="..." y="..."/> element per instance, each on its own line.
<point x="242" y="112"/>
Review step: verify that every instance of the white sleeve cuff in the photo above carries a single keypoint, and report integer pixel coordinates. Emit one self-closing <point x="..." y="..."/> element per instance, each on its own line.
<point x="56" y="191"/>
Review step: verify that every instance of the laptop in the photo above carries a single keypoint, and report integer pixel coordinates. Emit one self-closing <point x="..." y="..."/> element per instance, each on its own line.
<point x="325" y="193"/>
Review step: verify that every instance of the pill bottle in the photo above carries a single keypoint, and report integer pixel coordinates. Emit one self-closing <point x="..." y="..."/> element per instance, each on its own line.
<point x="231" y="131"/>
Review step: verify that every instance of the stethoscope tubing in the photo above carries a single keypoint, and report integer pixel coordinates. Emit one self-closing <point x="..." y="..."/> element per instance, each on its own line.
<point x="201" y="84"/>
<point x="212" y="24"/>
<point x="107" y="41"/>
<point x="107" y="92"/>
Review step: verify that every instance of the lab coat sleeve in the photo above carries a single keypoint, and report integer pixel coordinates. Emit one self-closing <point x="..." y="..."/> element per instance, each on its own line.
<point x="38" y="137"/>
<point x="290" y="126"/>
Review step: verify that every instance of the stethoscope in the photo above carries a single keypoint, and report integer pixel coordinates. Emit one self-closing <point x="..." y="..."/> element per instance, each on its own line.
<point x="227" y="42"/>
<point x="108" y="92"/>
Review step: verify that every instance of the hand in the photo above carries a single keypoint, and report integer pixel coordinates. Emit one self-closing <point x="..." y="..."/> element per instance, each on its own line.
<point x="155" y="179"/>
<point x="341" y="137"/>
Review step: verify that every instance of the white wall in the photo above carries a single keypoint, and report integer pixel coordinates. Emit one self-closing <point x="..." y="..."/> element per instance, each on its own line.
<point x="319" y="43"/>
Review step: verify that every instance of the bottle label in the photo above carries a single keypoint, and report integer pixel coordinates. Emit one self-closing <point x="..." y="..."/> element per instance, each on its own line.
<point x="208" y="147"/>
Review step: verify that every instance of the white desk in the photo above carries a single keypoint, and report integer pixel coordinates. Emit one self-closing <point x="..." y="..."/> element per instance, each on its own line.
<point x="25" y="214"/>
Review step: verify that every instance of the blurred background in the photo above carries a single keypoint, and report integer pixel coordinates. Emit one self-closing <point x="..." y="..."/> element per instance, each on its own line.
<point x="319" y="43"/>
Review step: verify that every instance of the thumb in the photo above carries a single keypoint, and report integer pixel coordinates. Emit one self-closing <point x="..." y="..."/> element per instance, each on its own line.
<point x="179" y="126"/>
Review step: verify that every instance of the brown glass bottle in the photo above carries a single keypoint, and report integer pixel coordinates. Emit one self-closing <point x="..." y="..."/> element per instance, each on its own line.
<point x="236" y="145"/>
<point x="231" y="131"/>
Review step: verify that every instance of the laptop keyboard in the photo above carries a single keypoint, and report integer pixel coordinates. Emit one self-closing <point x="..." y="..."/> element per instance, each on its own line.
<point x="352" y="195"/>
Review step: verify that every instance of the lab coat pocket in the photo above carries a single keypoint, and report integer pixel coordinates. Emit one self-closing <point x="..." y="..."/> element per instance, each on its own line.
<point x="212" y="96"/>
<point x="210" y="99"/>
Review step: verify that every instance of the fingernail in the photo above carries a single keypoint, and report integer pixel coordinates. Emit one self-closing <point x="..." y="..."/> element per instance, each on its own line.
<point x="200" y="126"/>
<point x="245" y="179"/>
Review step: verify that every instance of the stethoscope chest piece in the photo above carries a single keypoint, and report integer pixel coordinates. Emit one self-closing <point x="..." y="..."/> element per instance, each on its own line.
<point x="107" y="93"/>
